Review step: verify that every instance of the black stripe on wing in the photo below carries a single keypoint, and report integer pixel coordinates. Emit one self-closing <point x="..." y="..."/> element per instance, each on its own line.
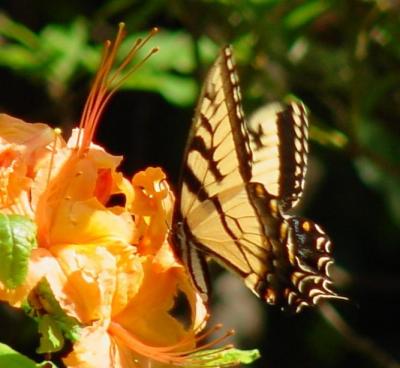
<point x="301" y="259"/>
<point x="293" y="153"/>
<point x="218" y="136"/>
<point x="236" y="116"/>
<point x="279" y="142"/>
<point x="218" y="153"/>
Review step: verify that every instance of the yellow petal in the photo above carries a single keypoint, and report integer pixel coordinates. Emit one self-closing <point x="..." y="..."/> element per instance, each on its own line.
<point x="89" y="222"/>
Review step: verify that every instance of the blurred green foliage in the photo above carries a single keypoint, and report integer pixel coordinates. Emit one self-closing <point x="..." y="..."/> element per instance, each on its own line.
<point x="341" y="57"/>
<point x="10" y="358"/>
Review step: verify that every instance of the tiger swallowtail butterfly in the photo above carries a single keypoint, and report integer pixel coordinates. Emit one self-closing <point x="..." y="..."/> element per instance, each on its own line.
<point x="237" y="184"/>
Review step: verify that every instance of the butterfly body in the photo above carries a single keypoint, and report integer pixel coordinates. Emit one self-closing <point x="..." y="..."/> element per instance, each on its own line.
<point x="236" y="187"/>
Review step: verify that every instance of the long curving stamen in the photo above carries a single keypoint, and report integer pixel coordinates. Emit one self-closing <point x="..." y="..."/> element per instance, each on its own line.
<point x="99" y="94"/>
<point x="128" y="58"/>
<point x="98" y="89"/>
<point x="176" y="354"/>
<point x="105" y="84"/>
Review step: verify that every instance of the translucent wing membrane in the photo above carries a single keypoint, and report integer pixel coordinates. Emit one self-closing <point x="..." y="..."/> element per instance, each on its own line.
<point x="231" y="233"/>
<point x="218" y="154"/>
<point x="279" y="142"/>
<point x="235" y="189"/>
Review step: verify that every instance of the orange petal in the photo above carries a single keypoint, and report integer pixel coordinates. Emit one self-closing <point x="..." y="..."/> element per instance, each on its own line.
<point x="147" y="316"/>
<point x="96" y="277"/>
<point x="22" y="147"/>
<point x="152" y="206"/>
<point x="96" y="348"/>
<point x="31" y="136"/>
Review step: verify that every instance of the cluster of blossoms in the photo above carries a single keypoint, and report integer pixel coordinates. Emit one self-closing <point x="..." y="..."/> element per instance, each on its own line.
<point x="102" y="275"/>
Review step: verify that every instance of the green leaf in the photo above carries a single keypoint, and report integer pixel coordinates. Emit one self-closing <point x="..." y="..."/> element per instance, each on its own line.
<point x="17" y="239"/>
<point x="168" y="72"/>
<point x="64" y="48"/>
<point x="240" y="356"/>
<point x="16" y="57"/>
<point x="379" y="161"/>
<point x="178" y="90"/>
<point x="56" y="321"/>
<point x="17" y="32"/>
<point x="12" y="359"/>
<point x="328" y="137"/>
<point x="389" y="185"/>
<point x="372" y="134"/>
<point x="53" y="56"/>
<point x="305" y="13"/>
<point x="225" y="358"/>
<point x="51" y="337"/>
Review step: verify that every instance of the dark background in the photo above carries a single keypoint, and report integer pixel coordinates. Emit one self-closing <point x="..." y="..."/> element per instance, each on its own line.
<point x="342" y="58"/>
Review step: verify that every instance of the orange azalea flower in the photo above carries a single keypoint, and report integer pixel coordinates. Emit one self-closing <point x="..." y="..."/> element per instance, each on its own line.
<point x="118" y="278"/>
<point x="22" y="148"/>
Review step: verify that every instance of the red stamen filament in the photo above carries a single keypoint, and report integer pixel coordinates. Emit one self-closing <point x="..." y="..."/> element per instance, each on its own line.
<point x="171" y="354"/>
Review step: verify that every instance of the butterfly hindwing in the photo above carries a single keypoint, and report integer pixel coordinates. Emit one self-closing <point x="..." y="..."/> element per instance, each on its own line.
<point x="279" y="142"/>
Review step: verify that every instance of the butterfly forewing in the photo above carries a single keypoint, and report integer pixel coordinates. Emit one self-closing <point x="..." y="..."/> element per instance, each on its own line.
<point x="218" y="145"/>
<point x="214" y="204"/>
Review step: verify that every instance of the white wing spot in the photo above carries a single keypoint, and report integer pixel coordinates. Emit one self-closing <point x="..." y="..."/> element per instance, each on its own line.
<point x="239" y="94"/>
<point x="296" y="109"/>
<point x="229" y="64"/>
<point x="328" y="246"/>
<point x="298" y="157"/>
<point x="239" y="113"/>
<point x="298" y="145"/>
<point x="297" y="120"/>
<point x="320" y="242"/>
<point x="236" y="95"/>
<point x="298" y="132"/>
<point x="318" y="228"/>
